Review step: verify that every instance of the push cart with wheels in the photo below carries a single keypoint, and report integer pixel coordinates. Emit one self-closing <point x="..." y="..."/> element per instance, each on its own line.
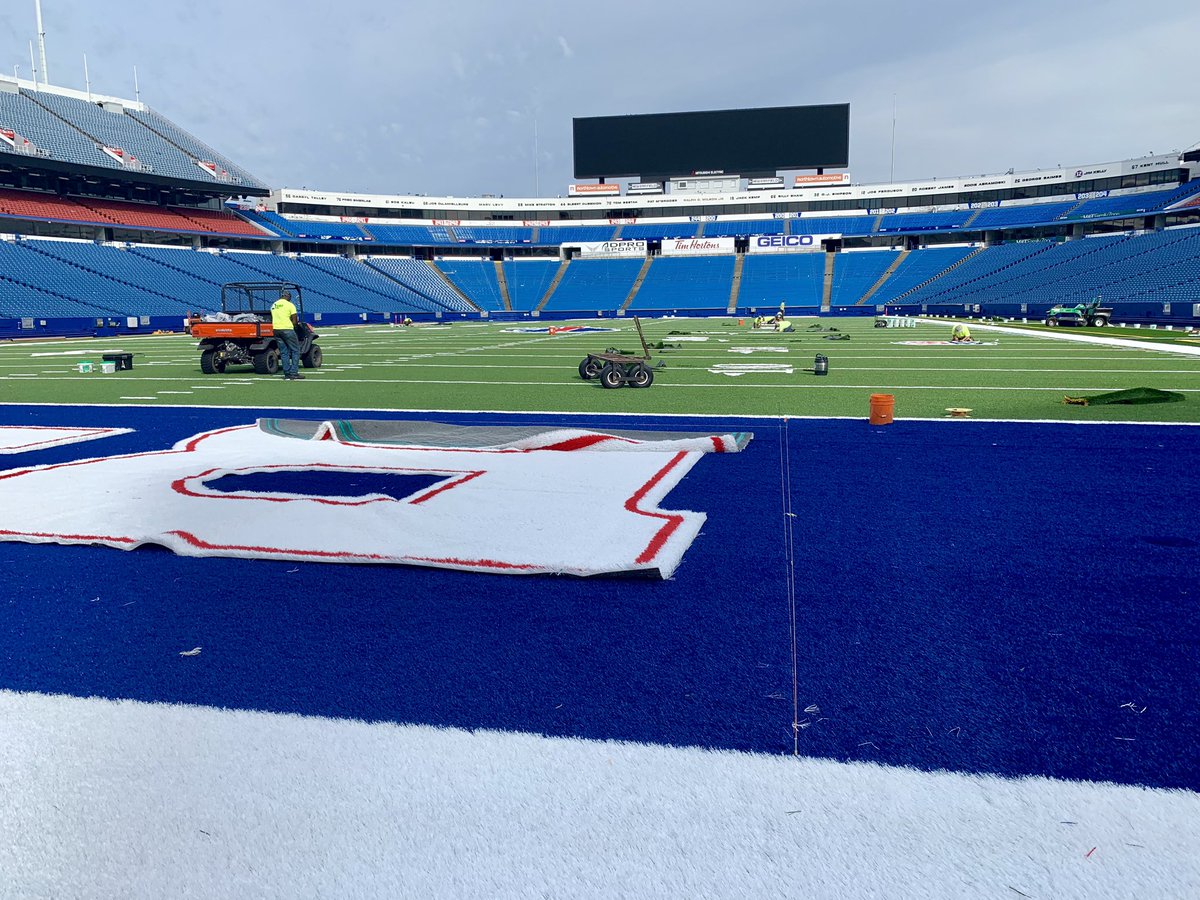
<point x="615" y="369"/>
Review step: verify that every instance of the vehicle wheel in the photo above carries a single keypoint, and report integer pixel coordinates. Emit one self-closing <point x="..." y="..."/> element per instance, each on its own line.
<point x="1049" y="322"/>
<point x="642" y="377"/>
<point x="312" y="359"/>
<point x="590" y="368"/>
<point x="610" y="377"/>
<point x="266" y="362"/>
<point x="1099" y="321"/>
<point x="209" y="364"/>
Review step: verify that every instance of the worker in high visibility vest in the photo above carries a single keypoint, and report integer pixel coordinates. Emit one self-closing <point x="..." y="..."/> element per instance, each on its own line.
<point x="285" y="321"/>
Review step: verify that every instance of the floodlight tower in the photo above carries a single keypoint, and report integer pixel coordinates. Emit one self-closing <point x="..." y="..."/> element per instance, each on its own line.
<point x="42" y="41"/>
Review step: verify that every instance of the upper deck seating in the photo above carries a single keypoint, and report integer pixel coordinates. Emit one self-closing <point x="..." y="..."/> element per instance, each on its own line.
<point x="652" y="231"/>
<point x="743" y="228"/>
<point x="119" y="131"/>
<point x="553" y="235"/>
<point x="194" y="148"/>
<point x="50" y="133"/>
<point x="925" y="221"/>
<point x="848" y="225"/>
<point x="493" y="234"/>
<point x="1026" y="214"/>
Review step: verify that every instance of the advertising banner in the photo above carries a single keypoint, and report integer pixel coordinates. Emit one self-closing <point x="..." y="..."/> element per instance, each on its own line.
<point x="813" y="180"/>
<point x="697" y="246"/>
<point x="788" y="243"/>
<point x="584" y="190"/>
<point x="645" y="187"/>
<point x="763" y="184"/>
<point x="595" y="249"/>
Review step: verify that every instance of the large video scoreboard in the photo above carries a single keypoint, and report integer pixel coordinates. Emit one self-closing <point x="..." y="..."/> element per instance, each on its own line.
<point x="727" y="141"/>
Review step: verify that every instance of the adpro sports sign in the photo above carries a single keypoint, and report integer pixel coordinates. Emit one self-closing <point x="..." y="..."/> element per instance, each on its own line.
<point x="788" y="243"/>
<point x="611" y="248"/>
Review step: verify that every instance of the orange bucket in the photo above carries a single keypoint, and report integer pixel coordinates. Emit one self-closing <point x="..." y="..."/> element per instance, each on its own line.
<point x="882" y="407"/>
<point x="741" y="321"/>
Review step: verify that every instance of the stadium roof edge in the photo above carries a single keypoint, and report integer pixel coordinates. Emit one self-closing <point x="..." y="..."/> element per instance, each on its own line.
<point x="89" y="96"/>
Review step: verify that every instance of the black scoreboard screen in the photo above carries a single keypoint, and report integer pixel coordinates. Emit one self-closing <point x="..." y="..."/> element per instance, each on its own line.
<point x="726" y="141"/>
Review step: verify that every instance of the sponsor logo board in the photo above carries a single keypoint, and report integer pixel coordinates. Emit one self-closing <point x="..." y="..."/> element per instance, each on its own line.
<point x="583" y="190"/>
<point x="697" y="246"/>
<point x="788" y="243"/>
<point x="611" y="248"/>
<point x="831" y="178"/>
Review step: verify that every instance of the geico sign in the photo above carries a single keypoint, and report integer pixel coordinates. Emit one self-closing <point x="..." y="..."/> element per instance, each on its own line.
<point x="779" y="243"/>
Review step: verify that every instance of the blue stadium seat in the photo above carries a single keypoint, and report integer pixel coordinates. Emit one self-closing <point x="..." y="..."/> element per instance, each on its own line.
<point x="769" y="279"/>
<point x="553" y="235"/>
<point x="686" y="283"/>
<point x="477" y="279"/>
<point x="528" y="280"/>
<point x="420" y="277"/>
<point x="594" y="285"/>
<point x="855" y="273"/>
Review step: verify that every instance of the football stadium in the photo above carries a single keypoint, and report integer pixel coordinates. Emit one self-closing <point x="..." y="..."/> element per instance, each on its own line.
<point x="365" y="594"/>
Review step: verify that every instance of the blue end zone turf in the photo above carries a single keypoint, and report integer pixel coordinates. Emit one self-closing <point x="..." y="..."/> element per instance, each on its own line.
<point x="1019" y="599"/>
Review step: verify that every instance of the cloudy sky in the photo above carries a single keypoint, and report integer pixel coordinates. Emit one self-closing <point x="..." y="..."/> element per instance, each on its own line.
<point x="447" y="98"/>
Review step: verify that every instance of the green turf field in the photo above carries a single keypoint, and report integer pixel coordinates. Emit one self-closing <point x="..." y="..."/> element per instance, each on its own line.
<point x="488" y="366"/>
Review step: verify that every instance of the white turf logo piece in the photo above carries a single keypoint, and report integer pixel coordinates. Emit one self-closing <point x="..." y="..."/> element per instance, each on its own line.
<point x="515" y="511"/>
<point x="25" y="438"/>
<point x="736" y="369"/>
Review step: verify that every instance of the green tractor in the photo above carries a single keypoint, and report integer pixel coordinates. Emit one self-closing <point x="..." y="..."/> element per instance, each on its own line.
<point x="1090" y="314"/>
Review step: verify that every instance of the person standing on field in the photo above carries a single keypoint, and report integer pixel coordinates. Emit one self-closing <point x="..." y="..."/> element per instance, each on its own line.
<point x="285" y="320"/>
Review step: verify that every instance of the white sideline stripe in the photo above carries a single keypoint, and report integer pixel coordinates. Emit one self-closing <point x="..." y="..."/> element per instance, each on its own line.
<point x="555" y="417"/>
<point x="195" y="800"/>
<point x="577" y="383"/>
<point x="1055" y="334"/>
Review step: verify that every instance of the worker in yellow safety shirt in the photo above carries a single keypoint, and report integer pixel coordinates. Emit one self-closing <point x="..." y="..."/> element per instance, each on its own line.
<point x="285" y="320"/>
<point x="960" y="333"/>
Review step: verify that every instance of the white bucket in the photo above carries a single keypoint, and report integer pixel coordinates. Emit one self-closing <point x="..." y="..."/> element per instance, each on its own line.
<point x="85" y="367"/>
<point x="108" y="368"/>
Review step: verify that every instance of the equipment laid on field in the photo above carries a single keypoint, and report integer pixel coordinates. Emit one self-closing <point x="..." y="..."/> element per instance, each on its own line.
<point x="616" y="369"/>
<point x="242" y="333"/>
<point x="121" y="361"/>
<point x="1129" y="397"/>
<point x="895" y="322"/>
<point x="1092" y="314"/>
